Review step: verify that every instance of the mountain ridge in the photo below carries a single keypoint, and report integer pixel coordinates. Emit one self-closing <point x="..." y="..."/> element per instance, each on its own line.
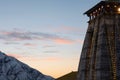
<point x="13" y="69"/>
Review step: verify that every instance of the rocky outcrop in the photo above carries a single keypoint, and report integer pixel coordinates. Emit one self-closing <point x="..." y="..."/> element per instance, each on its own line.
<point x="12" y="69"/>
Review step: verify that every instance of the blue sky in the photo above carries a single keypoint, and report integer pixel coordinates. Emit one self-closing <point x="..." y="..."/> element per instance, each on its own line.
<point x="45" y="34"/>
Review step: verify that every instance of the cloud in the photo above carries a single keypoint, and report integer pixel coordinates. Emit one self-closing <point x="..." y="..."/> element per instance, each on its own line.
<point x="50" y="51"/>
<point x="25" y="35"/>
<point x="8" y="43"/>
<point x="30" y="44"/>
<point x="63" y="41"/>
<point x="9" y="35"/>
<point x="49" y="46"/>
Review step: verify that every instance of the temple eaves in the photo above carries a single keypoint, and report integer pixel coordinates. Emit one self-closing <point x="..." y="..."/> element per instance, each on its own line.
<point x="104" y="6"/>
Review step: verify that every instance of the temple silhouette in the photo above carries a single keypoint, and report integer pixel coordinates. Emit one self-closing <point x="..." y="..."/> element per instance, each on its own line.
<point x="100" y="56"/>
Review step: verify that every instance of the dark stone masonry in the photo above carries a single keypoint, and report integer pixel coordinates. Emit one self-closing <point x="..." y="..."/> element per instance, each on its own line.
<point x="100" y="56"/>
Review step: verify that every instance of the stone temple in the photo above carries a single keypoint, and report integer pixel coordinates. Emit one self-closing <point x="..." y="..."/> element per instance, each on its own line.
<point x="100" y="56"/>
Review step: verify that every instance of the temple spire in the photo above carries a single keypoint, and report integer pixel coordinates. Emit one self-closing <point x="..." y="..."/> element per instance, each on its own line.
<point x="100" y="56"/>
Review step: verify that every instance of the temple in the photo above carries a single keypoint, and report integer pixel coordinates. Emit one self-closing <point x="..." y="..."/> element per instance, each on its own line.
<point x="100" y="56"/>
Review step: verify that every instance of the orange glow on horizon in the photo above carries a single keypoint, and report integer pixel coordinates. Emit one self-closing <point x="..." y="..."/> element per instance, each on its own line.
<point x="54" y="67"/>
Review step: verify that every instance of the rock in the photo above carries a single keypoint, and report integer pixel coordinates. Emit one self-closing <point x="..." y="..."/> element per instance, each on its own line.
<point x="13" y="69"/>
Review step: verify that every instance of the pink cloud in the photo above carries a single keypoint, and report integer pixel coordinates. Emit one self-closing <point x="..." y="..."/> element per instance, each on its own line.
<point x="25" y="35"/>
<point x="63" y="41"/>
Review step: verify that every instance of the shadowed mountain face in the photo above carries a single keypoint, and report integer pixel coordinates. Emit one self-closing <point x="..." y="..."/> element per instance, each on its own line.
<point x="69" y="76"/>
<point x="12" y="69"/>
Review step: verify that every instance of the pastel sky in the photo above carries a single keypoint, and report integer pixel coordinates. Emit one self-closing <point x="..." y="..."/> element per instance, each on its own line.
<point x="45" y="34"/>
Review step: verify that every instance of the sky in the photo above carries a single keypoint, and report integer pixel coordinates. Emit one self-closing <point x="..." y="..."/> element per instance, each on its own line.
<point x="45" y="34"/>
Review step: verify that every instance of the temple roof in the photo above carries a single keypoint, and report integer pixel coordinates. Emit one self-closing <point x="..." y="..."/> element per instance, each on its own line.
<point x="101" y="5"/>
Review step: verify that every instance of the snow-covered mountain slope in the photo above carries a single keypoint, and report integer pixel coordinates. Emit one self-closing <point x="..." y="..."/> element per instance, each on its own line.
<point x="13" y="69"/>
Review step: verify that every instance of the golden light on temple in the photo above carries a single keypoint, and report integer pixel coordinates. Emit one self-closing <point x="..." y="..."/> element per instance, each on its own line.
<point x="119" y="9"/>
<point x="109" y="11"/>
<point x="115" y="6"/>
